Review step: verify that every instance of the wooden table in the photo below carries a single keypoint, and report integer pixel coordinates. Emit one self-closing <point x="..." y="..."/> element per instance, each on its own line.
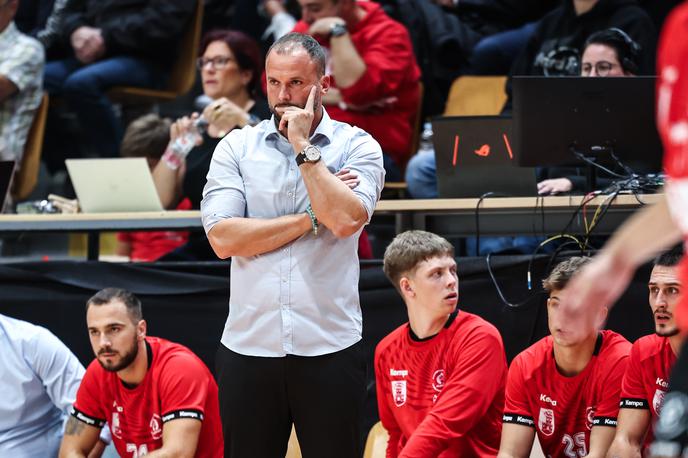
<point x="509" y="215"/>
<point x="456" y="217"/>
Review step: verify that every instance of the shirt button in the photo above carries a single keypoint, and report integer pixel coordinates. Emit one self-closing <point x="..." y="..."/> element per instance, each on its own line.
<point x="290" y="194"/>
<point x="284" y="280"/>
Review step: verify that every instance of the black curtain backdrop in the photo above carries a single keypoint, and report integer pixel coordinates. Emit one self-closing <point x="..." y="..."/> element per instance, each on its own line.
<point x="188" y="303"/>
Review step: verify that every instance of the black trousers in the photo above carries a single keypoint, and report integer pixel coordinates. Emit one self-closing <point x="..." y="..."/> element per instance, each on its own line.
<point x="323" y="396"/>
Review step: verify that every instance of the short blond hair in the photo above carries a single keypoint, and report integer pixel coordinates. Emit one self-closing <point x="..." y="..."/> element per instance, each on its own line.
<point x="409" y="249"/>
<point x="563" y="272"/>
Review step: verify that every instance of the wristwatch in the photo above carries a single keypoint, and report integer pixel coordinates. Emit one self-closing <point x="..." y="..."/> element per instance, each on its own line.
<point x="310" y="153"/>
<point x="337" y="30"/>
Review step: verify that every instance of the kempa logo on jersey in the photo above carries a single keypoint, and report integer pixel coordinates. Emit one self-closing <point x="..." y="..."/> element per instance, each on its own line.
<point x="398" y="373"/>
<point x="545" y="398"/>
<point x="661" y="382"/>
<point x="632" y="403"/>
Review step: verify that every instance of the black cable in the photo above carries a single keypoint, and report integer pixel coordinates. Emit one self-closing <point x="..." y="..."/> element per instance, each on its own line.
<point x="499" y="290"/>
<point x="580" y="156"/>
<point x="603" y="212"/>
<point x="477" y="217"/>
<point x="584" y="202"/>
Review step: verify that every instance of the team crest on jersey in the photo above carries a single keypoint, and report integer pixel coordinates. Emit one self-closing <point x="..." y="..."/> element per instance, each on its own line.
<point x="589" y="417"/>
<point x="156" y="426"/>
<point x="438" y="380"/>
<point x="658" y="399"/>
<point x="399" y="392"/>
<point x="546" y="421"/>
<point x="115" y="426"/>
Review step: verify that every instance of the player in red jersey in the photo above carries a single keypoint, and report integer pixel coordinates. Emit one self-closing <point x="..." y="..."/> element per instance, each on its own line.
<point x="440" y="377"/>
<point x="647" y="376"/>
<point x="157" y="397"/>
<point x="564" y="389"/>
<point x="654" y="229"/>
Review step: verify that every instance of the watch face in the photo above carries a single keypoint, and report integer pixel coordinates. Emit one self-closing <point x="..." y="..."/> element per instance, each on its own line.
<point x="312" y="153"/>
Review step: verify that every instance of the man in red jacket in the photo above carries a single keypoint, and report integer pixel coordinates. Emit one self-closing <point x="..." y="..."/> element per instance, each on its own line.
<point x="440" y="377"/>
<point x="375" y="75"/>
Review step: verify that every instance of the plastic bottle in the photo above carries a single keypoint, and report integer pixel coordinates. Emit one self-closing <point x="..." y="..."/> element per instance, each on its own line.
<point x="425" y="145"/>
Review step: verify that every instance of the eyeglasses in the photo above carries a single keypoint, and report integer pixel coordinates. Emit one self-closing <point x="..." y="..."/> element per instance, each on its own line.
<point x="602" y="68"/>
<point x="217" y="62"/>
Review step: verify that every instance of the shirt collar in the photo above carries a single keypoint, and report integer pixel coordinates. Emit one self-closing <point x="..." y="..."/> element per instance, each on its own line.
<point x="322" y="136"/>
<point x="9" y="33"/>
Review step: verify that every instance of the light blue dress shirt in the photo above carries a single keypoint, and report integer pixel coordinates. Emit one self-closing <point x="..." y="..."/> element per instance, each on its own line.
<point x="39" y="378"/>
<point x="302" y="298"/>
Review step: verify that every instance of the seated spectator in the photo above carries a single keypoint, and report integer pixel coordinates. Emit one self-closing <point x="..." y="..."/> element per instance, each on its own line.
<point x="646" y="380"/>
<point x="113" y="44"/>
<point x="566" y="391"/>
<point x="154" y="394"/>
<point x="281" y="22"/>
<point x="375" y="75"/>
<point x="147" y="137"/>
<point x="231" y="66"/>
<point x="555" y="47"/>
<point x="21" y="74"/>
<point x="440" y="377"/>
<point x="39" y="377"/>
<point x="504" y="27"/>
<point x="43" y="20"/>
<point x="609" y="52"/>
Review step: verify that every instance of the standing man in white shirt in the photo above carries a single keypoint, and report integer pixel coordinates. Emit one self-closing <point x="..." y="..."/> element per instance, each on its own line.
<point x="291" y="349"/>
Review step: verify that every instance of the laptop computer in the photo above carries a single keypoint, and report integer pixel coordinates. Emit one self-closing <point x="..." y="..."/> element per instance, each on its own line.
<point x="113" y="185"/>
<point x="475" y="155"/>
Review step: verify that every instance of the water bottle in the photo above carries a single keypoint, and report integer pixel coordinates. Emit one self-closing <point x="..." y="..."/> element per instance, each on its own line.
<point x="186" y="142"/>
<point x="426" y="145"/>
<point x="183" y="144"/>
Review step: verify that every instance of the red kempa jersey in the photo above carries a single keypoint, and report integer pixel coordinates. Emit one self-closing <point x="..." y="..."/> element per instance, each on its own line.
<point x="177" y="385"/>
<point x="646" y="380"/>
<point x="443" y="396"/>
<point x="563" y="409"/>
<point x="672" y="123"/>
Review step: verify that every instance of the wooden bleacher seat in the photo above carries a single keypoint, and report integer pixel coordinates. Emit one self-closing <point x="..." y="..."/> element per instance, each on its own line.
<point x="293" y="448"/>
<point x="376" y="444"/>
<point x="26" y="177"/>
<point x="183" y="73"/>
<point x="476" y="96"/>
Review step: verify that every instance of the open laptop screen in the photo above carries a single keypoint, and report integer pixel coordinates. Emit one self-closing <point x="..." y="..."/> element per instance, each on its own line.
<point x="475" y="155"/>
